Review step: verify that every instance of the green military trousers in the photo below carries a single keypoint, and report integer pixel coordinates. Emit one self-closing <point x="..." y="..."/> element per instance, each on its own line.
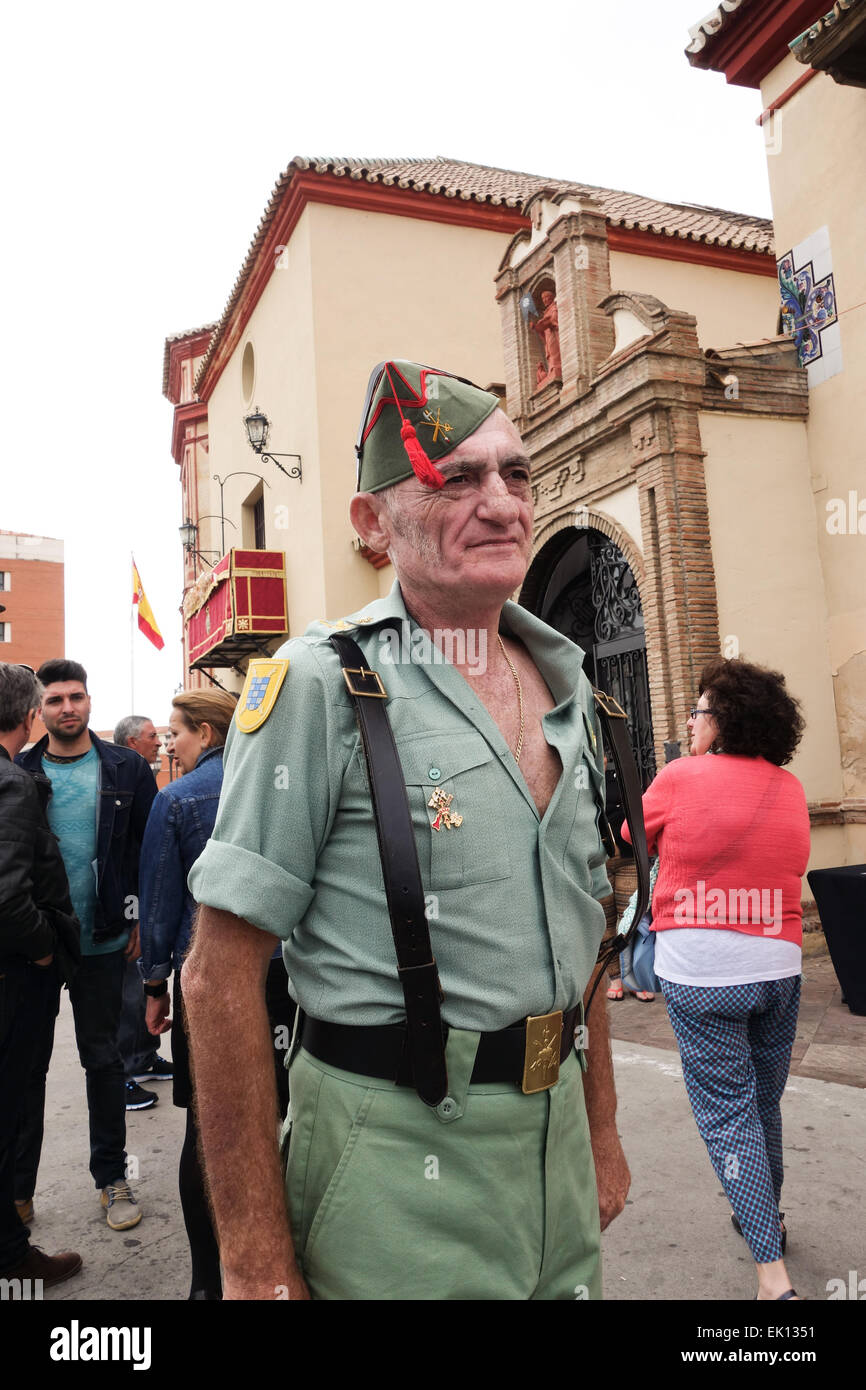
<point x="489" y="1196"/>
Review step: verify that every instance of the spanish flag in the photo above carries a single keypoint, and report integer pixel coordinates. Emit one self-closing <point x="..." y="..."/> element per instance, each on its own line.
<point x="146" y="621"/>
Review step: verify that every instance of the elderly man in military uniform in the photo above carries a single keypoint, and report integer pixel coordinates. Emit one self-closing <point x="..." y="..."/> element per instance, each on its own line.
<point x="496" y="1183"/>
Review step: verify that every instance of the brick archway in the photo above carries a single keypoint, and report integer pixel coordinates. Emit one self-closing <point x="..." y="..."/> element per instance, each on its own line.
<point x="621" y="655"/>
<point x="566" y="519"/>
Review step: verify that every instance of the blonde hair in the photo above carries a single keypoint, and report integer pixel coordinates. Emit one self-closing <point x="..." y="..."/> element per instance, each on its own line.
<point x="213" y="707"/>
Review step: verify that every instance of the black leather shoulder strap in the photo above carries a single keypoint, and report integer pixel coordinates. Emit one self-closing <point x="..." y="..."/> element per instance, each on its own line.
<point x="614" y="723"/>
<point x="416" y="966"/>
<point x="615" y="726"/>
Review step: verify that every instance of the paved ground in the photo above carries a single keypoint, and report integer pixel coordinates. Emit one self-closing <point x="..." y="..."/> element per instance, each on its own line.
<point x="830" y="1044"/>
<point x="674" y="1240"/>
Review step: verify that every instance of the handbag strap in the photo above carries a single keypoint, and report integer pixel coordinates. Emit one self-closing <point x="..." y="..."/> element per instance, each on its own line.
<point x="416" y="964"/>
<point x="614" y="724"/>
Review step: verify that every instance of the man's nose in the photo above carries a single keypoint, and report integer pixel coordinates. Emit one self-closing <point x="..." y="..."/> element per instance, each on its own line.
<point x="497" y="502"/>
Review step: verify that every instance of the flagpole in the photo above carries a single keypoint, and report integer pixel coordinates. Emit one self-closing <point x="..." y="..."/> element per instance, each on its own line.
<point x="131" y="641"/>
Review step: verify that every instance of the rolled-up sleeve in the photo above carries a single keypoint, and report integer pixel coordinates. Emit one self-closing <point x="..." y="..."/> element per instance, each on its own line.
<point x="280" y="790"/>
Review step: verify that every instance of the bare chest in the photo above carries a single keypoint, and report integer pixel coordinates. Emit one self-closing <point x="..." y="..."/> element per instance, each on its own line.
<point x="539" y="764"/>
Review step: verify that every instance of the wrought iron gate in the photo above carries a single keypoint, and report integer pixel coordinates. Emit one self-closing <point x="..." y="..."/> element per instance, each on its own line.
<point x="619" y="650"/>
<point x="599" y="608"/>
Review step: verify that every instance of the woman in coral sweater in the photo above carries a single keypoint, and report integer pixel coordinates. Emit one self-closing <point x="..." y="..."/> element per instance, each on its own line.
<point x="732" y="834"/>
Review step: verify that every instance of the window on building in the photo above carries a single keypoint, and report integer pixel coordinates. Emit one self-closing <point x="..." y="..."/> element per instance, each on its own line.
<point x="5" y="632"/>
<point x="259" y="523"/>
<point x="5" y="580"/>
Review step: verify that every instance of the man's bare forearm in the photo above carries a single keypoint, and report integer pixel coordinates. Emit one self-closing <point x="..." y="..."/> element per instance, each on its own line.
<point x="223" y="983"/>
<point x="599" y="1090"/>
<point x="611" y="1169"/>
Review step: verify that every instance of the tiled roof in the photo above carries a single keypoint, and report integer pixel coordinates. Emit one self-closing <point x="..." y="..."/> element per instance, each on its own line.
<point x="475" y="182"/>
<point x="27" y="535"/>
<point x="711" y="25"/>
<point x="190" y="333"/>
<point x="803" y="46"/>
<point x="179" y="338"/>
<point x="453" y="178"/>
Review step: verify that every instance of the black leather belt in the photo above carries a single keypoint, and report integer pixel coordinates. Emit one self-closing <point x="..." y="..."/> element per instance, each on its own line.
<point x="382" y="1051"/>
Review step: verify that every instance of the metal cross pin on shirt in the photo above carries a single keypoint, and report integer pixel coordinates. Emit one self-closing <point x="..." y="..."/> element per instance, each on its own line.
<point x="441" y="802"/>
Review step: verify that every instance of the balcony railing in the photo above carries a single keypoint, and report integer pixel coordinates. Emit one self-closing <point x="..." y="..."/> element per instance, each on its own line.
<point x="236" y="609"/>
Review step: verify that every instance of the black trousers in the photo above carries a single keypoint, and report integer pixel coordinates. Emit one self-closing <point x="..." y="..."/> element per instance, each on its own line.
<point x="28" y="1007"/>
<point x="96" y="994"/>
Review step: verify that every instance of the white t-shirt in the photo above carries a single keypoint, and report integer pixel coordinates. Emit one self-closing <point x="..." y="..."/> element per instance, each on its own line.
<point x="720" y="956"/>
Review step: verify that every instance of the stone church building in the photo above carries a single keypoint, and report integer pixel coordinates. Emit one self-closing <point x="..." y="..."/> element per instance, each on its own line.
<point x="637" y="347"/>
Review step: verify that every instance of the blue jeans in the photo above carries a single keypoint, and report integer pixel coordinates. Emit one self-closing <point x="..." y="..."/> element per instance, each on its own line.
<point x="95" y="994"/>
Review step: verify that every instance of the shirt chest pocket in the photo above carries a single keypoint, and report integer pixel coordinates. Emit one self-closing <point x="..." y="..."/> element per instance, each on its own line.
<point x="457" y="794"/>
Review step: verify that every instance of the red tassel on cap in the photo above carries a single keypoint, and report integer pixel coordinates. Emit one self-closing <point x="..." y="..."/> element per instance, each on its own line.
<point x="425" y="471"/>
<point x="422" y="466"/>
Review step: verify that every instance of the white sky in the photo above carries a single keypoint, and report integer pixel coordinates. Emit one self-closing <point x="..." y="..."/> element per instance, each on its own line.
<point x="142" y="144"/>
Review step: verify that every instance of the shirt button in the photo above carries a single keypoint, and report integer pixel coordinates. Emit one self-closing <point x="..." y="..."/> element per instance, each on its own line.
<point x="446" y="1107"/>
<point x="434" y="773"/>
<point x="118" y="803"/>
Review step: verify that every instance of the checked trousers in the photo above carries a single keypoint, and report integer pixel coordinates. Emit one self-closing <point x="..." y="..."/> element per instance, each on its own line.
<point x="735" y="1043"/>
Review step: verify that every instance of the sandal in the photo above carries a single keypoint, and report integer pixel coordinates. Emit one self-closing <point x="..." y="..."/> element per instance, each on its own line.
<point x="615" y="990"/>
<point x="739" y="1230"/>
<point x="644" y="995"/>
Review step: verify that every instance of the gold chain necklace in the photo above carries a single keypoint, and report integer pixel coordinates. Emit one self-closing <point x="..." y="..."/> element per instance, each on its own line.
<point x="513" y="669"/>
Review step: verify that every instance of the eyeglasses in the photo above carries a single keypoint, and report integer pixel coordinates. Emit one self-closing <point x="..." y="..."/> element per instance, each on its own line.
<point x="693" y="713"/>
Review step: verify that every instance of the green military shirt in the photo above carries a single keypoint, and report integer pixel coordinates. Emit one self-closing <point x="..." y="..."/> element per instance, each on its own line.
<point x="512" y="898"/>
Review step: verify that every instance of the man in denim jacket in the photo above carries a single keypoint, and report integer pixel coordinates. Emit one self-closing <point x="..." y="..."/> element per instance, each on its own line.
<point x="101" y="796"/>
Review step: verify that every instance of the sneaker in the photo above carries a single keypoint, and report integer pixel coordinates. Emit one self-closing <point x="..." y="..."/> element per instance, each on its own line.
<point x="161" y="1070"/>
<point x="25" y="1210"/>
<point x="122" y="1208"/>
<point x="51" y="1269"/>
<point x="139" y="1099"/>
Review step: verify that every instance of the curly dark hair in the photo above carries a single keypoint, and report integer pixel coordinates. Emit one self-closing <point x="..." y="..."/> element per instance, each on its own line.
<point x="757" y="718"/>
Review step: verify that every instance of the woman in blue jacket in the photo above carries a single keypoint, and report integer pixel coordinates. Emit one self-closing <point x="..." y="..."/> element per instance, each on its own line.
<point x="180" y="824"/>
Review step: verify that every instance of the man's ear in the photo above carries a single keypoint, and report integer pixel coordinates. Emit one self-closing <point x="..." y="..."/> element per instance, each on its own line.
<point x="369" y="517"/>
<point x="28" y="724"/>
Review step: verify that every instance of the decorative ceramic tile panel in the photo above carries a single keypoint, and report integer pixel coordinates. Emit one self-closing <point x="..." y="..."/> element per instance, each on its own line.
<point x="809" y="314"/>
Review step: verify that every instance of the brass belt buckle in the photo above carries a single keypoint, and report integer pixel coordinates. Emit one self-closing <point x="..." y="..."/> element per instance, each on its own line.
<point x="541" y="1059"/>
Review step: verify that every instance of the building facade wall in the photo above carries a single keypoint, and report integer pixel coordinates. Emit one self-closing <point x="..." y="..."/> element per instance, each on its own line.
<point x="280" y="380"/>
<point x="385" y="287"/>
<point x="816" y="160"/>
<point x="34" y="600"/>
<point x="769" y="581"/>
<point x="720" y="300"/>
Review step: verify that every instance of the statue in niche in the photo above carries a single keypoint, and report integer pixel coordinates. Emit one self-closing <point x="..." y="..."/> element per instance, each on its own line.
<point x="547" y="328"/>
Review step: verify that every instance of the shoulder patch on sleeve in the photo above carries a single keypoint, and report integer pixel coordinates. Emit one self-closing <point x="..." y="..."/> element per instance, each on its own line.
<point x="265" y="677"/>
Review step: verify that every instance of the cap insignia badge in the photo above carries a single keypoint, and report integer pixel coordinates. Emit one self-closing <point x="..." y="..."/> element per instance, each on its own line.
<point x="437" y="425"/>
